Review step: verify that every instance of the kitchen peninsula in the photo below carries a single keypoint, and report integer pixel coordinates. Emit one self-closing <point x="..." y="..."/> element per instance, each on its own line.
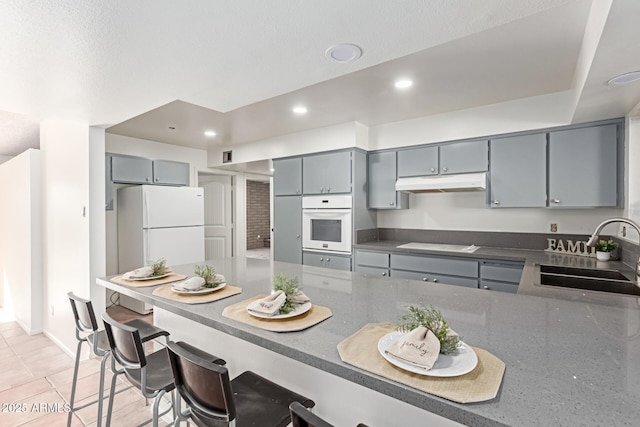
<point x="567" y="362"/>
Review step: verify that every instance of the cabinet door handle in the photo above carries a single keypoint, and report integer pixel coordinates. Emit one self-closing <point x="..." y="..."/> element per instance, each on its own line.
<point x="435" y="280"/>
<point x="157" y="179"/>
<point x="433" y="169"/>
<point x="496" y="202"/>
<point x="445" y="169"/>
<point x="486" y="287"/>
<point x="322" y="189"/>
<point x="425" y="279"/>
<point x="390" y="203"/>
<point x="556" y="201"/>
<point x="328" y="189"/>
<point x="148" y="179"/>
<point x="297" y="191"/>
<point x="328" y="259"/>
<point x="384" y="274"/>
<point x="297" y="236"/>
<point x="321" y="259"/>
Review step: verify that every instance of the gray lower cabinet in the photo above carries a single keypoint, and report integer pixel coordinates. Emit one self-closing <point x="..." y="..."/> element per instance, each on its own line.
<point x="464" y="157"/>
<point x="167" y="172"/>
<point x="370" y="262"/>
<point x="382" y="182"/>
<point x="584" y="167"/>
<point x="452" y="271"/>
<point x="326" y="173"/>
<point x="518" y="173"/>
<point x="501" y="276"/>
<point x="421" y="161"/>
<point x="287" y="229"/>
<point x="287" y="177"/>
<point x="320" y="259"/>
<point x="131" y="169"/>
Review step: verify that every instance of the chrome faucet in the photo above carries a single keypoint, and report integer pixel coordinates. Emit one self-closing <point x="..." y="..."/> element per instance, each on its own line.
<point x="594" y="237"/>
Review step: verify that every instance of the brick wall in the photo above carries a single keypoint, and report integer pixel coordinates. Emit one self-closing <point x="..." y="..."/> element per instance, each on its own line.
<point x="257" y="214"/>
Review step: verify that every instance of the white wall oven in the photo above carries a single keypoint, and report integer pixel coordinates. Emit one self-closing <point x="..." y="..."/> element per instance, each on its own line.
<point x="327" y="223"/>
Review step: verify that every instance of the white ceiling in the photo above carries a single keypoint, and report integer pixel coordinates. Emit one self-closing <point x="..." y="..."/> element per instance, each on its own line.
<point x="238" y="67"/>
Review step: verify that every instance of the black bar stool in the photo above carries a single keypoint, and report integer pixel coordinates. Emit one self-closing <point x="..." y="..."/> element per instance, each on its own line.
<point x="214" y="400"/>
<point x="302" y="417"/>
<point x="151" y="373"/>
<point x="87" y="331"/>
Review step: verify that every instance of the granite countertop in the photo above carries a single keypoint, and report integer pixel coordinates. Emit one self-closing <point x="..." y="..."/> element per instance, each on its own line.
<point x="529" y="282"/>
<point x="568" y="362"/>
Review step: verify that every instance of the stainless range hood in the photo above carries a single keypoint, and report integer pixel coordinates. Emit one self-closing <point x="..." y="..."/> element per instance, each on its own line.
<point x="443" y="183"/>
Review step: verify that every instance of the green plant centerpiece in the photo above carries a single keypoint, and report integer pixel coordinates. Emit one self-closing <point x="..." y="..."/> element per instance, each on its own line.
<point x="159" y="267"/>
<point x="208" y="273"/>
<point x="606" y="246"/>
<point x="432" y="319"/>
<point x="289" y="285"/>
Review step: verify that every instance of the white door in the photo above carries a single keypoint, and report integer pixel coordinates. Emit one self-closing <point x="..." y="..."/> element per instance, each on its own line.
<point x="172" y="206"/>
<point x="177" y="245"/>
<point x="218" y="219"/>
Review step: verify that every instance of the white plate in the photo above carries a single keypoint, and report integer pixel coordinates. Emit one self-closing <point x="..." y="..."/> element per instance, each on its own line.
<point x="301" y="309"/>
<point x="147" y="278"/>
<point x="200" y="291"/>
<point x="447" y="365"/>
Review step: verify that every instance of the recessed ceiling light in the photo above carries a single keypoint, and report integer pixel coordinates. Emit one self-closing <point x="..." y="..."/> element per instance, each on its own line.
<point x="210" y="133"/>
<point x="403" y="84"/>
<point x="300" y="110"/>
<point x="625" y="78"/>
<point x="343" y="53"/>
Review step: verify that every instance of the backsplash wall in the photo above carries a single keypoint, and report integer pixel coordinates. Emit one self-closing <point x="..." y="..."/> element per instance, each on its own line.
<point x="469" y="211"/>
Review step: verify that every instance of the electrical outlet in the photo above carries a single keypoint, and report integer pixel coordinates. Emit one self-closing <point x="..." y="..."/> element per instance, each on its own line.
<point x="554" y="228"/>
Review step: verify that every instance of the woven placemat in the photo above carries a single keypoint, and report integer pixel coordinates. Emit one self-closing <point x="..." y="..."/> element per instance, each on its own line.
<point x="227" y="291"/>
<point x="479" y="385"/>
<point x="312" y="317"/>
<point x="173" y="277"/>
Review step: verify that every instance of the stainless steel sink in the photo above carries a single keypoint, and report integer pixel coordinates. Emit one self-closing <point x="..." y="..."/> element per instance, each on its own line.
<point x="591" y="279"/>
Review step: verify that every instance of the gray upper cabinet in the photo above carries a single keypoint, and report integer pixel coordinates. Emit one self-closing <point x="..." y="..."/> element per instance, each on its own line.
<point x="166" y="172"/>
<point x="125" y="169"/>
<point x="464" y="157"/>
<point x="518" y="172"/>
<point x="418" y="162"/>
<point x="583" y="167"/>
<point x="382" y="182"/>
<point x="287" y="176"/>
<point x="327" y="173"/>
<point x="131" y="170"/>
<point x="287" y="229"/>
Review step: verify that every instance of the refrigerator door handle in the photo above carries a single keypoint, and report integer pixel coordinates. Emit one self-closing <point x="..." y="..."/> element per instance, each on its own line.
<point x="145" y="208"/>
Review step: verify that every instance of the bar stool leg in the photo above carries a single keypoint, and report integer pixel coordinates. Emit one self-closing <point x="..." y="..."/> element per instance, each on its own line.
<point x="112" y="391"/>
<point x="103" y="369"/>
<point x="73" y="384"/>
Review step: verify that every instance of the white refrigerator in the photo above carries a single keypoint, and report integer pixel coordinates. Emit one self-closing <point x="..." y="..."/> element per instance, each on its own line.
<point x="158" y="222"/>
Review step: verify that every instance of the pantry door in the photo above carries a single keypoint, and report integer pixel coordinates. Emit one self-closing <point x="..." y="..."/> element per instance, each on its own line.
<point x="218" y="215"/>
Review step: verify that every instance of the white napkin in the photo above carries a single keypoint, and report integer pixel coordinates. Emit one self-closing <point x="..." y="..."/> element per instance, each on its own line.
<point x="299" y="298"/>
<point x="191" y="284"/>
<point x="420" y="348"/>
<point x="138" y="273"/>
<point x="219" y="278"/>
<point x="269" y="305"/>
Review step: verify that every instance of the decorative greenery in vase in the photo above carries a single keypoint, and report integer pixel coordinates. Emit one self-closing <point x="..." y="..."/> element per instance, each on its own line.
<point x="208" y="273"/>
<point x="432" y="319"/>
<point x="289" y="285"/>
<point x="606" y="246"/>
<point x="159" y="267"/>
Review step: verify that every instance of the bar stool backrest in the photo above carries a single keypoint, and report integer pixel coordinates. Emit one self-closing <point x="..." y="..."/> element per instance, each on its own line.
<point x="124" y="341"/>
<point x="83" y="314"/>
<point x="302" y="417"/>
<point x="204" y="385"/>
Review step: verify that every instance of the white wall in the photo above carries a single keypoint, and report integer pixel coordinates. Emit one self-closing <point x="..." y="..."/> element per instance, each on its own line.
<point x="67" y="242"/>
<point x="21" y="243"/>
<point x="5" y="158"/>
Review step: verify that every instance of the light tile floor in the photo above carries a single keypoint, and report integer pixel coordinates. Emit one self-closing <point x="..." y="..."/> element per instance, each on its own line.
<point x="261" y="253"/>
<point x="36" y="376"/>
